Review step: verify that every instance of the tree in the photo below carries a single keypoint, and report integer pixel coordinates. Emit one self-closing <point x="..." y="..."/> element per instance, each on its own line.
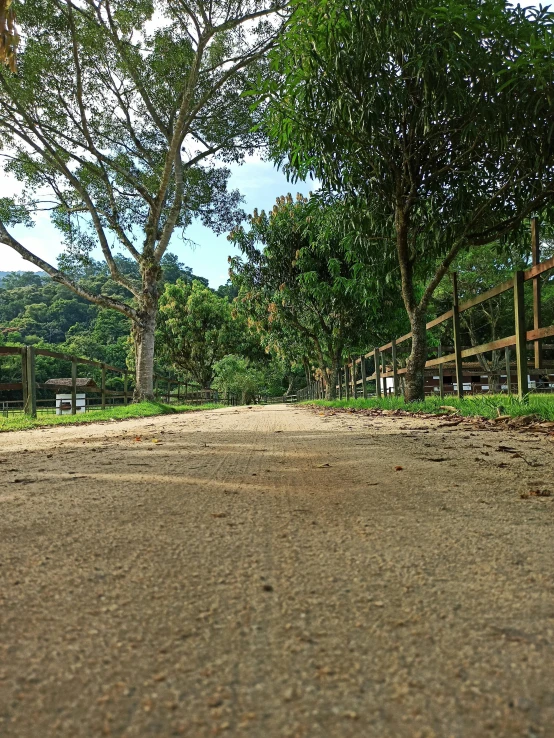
<point x="124" y="132"/>
<point x="195" y="329"/>
<point x="302" y="287"/>
<point x="434" y="118"/>
<point x="238" y="375"/>
<point x="8" y="35"/>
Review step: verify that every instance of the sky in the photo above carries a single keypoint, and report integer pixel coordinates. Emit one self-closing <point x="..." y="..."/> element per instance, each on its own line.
<point x="259" y="182"/>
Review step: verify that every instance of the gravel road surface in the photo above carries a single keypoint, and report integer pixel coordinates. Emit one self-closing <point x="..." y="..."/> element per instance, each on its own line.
<point x="274" y="572"/>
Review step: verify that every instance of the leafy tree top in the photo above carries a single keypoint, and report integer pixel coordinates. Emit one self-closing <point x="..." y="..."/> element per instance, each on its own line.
<point x="123" y="117"/>
<point x="438" y="117"/>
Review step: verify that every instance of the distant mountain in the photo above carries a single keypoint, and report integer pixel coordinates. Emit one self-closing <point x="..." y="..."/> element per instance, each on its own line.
<point x="5" y="274"/>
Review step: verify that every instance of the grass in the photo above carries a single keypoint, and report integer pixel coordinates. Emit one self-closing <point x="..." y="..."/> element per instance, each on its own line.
<point x="118" y="412"/>
<point x="486" y="406"/>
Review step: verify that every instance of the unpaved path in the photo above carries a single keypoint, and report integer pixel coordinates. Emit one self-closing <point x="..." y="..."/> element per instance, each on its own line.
<point x="267" y="572"/>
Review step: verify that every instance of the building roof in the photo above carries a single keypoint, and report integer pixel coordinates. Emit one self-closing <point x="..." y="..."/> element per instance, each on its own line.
<point x="64" y="382"/>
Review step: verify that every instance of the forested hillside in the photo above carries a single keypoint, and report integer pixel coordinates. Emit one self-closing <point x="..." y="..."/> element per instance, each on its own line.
<point x="35" y="310"/>
<point x="197" y="328"/>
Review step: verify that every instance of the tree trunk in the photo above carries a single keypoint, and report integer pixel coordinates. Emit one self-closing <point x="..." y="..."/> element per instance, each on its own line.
<point x="307" y="372"/>
<point x="333" y="378"/>
<point x="414" y="386"/>
<point x="144" y="333"/>
<point x="495" y="385"/>
<point x="291" y="385"/>
<point x="415" y="368"/>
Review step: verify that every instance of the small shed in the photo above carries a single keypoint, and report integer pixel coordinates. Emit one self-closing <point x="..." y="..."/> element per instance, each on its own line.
<point x="63" y="400"/>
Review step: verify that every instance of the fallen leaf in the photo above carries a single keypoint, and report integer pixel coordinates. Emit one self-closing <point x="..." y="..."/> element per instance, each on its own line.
<point x="138" y="438"/>
<point x="219" y="515"/>
<point x="398" y="468"/>
<point x="322" y="466"/>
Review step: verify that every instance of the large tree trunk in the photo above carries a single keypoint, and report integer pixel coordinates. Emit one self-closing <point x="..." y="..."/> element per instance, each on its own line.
<point x="144" y="333"/>
<point x="414" y="387"/>
<point x="415" y="368"/>
<point x="332" y="379"/>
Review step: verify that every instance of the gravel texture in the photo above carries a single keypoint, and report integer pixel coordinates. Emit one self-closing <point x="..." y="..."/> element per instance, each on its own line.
<point x="276" y="572"/>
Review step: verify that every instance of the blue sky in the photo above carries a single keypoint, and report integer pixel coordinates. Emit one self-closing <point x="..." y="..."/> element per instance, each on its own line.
<point x="258" y="181"/>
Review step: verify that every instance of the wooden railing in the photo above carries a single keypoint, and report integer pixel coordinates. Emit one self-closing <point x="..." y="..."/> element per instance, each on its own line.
<point x="28" y="385"/>
<point x="354" y="373"/>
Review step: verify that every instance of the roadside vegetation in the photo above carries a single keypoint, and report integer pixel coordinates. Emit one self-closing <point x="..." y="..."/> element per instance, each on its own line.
<point x="425" y="128"/>
<point x="485" y="406"/>
<point x="120" y="412"/>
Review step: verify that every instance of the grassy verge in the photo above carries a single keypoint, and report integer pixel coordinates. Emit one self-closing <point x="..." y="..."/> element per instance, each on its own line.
<point x="486" y="406"/>
<point x="118" y="412"/>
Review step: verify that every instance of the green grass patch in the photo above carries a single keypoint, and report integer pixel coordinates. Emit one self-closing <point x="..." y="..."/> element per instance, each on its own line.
<point x="118" y="412"/>
<point x="486" y="406"/>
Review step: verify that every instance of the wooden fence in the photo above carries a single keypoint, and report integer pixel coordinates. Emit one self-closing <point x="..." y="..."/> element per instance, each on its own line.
<point x="28" y="385"/>
<point x="354" y="373"/>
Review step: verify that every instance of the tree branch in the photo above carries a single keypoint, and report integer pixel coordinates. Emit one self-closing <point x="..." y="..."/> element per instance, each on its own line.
<point x="58" y="276"/>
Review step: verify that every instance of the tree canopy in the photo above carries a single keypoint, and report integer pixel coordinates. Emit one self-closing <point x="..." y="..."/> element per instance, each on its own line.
<point x="121" y="122"/>
<point x="304" y="288"/>
<point x="435" y="120"/>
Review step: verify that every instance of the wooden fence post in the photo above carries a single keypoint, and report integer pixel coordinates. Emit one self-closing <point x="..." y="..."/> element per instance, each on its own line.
<point x="441" y="372"/>
<point x="346" y="382"/>
<point x="537" y="308"/>
<point x="394" y="368"/>
<point x="24" y="378"/>
<point x="507" y="354"/>
<point x="376" y="353"/>
<point x="339" y="378"/>
<point x="457" y="337"/>
<point x="31" y="399"/>
<point x="353" y="378"/>
<point x="73" y="386"/>
<point x="103" y="386"/>
<point x="364" y="376"/>
<point x="521" y="335"/>
<point x="125" y="388"/>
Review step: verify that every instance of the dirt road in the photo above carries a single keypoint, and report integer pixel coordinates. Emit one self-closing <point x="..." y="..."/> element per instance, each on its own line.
<point x="268" y="572"/>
